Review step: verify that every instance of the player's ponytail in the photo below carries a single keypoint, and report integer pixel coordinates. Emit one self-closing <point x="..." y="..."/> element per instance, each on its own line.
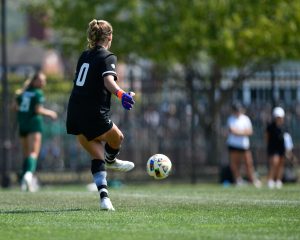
<point x="28" y="83"/>
<point x="98" y="32"/>
<point x="24" y="87"/>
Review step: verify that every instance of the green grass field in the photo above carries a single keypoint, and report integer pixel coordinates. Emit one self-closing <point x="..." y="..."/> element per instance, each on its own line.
<point x="157" y="211"/>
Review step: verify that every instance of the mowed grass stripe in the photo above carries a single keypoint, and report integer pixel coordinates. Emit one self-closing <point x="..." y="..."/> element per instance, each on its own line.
<point x="157" y="211"/>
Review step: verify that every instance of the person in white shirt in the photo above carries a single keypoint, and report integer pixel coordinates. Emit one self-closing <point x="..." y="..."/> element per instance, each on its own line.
<point x="240" y="128"/>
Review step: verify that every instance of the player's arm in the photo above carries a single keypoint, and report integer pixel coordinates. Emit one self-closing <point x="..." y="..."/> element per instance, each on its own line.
<point x="248" y="131"/>
<point x="241" y="132"/>
<point x="114" y="88"/>
<point x="267" y="137"/>
<point x="244" y="132"/>
<point x="16" y="103"/>
<point x="39" y="109"/>
<point x="267" y="134"/>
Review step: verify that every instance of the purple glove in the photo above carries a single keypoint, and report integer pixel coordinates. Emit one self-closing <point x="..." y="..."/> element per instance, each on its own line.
<point x="126" y="98"/>
<point x="127" y="101"/>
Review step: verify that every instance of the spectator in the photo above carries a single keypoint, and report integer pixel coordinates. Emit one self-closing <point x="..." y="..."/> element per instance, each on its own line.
<point x="240" y="128"/>
<point x="276" y="148"/>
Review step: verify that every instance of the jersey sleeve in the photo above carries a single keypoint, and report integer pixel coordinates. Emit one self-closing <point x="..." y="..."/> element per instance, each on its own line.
<point x="39" y="98"/>
<point x="110" y="63"/>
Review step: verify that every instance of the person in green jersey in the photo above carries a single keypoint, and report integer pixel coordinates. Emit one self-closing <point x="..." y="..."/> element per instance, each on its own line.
<point x="30" y="109"/>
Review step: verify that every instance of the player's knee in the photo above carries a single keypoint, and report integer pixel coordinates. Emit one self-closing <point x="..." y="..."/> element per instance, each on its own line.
<point x="117" y="141"/>
<point x="33" y="154"/>
<point x="121" y="137"/>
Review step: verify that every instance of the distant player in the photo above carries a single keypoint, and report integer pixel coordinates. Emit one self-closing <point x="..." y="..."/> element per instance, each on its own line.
<point x="89" y="107"/>
<point x="30" y="109"/>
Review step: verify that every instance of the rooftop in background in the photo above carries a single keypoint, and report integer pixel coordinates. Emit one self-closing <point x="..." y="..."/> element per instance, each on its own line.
<point x="23" y="59"/>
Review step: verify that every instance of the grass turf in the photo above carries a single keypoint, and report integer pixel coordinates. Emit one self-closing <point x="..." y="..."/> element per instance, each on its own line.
<point x="158" y="211"/>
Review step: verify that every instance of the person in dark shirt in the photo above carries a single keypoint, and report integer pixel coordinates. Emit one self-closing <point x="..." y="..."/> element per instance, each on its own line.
<point x="276" y="148"/>
<point x="88" y="115"/>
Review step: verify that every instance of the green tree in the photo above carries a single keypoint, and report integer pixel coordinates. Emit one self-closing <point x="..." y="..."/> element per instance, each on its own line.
<point x="247" y="35"/>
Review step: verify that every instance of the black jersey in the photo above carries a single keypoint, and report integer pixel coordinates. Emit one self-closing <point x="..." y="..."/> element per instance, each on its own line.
<point x="93" y="65"/>
<point x="89" y="104"/>
<point x="275" y="139"/>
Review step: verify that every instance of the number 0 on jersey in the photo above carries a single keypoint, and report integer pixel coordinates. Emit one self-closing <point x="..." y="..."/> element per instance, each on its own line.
<point x="82" y="74"/>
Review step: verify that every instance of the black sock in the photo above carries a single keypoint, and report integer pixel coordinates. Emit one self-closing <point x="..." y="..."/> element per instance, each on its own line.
<point x="99" y="176"/>
<point x="110" y="154"/>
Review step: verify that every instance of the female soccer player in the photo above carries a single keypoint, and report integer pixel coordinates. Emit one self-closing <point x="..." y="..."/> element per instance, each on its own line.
<point x="89" y="107"/>
<point x="30" y="110"/>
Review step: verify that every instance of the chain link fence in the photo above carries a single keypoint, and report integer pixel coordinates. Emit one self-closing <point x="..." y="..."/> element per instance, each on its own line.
<point x="159" y="123"/>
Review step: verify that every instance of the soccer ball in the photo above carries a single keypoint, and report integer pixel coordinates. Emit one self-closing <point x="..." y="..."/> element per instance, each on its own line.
<point x="159" y="166"/>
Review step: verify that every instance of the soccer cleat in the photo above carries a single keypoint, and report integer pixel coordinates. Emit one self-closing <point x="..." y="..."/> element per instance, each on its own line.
<point x="34" y="184"/>
<point x="23" y="186"/>
<point x="120" y="165"/>
<point x="26" y="182"/>
<point x="105" y="204"/>
<point x="271" y="184"/>
<point x="278" y="184"/>
<point x="257" y="183"/>
<point x="240" y="182"/>
<point x="29" y="183"/>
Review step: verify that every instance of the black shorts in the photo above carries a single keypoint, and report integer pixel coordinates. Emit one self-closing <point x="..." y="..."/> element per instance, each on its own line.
<point x="280" y="153"/>
<point x="237" y="149"/>
<point x="87" y="122"/>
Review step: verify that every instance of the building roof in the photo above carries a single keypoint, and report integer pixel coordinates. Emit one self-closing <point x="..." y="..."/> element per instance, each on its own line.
<point x="26" y="58"/>
<point x="21" y="54"/>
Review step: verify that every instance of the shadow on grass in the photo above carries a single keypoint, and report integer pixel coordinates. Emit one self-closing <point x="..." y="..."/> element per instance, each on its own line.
<point x="26" y="211"/>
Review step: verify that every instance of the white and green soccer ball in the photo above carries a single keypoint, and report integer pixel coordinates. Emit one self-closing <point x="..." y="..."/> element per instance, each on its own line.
<point x="159" y="166"/>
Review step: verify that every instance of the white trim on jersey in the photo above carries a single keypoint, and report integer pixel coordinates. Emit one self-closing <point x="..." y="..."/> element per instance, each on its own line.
<point x="109" y="72"/>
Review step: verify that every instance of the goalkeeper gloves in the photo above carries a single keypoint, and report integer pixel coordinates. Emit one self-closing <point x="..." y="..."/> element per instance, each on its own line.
<point x="126" y="99"/>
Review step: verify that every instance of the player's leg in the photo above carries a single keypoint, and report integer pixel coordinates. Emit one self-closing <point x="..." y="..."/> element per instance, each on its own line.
<point x="113" y="139"/>
<point x="279" y="172"/>
<point x="235" y="165"/>
<point x="96" y="151"/>
<point x="273" y="162"/>
<point x="249" y="165"/>
<point x="32" y="146"/>
<point x="250" y="169"/>
<point x="25" y="151"/>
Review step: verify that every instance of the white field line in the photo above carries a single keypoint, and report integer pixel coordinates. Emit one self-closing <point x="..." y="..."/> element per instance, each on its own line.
<point x="194" y="199"/>
<point x="223" y="200"/>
